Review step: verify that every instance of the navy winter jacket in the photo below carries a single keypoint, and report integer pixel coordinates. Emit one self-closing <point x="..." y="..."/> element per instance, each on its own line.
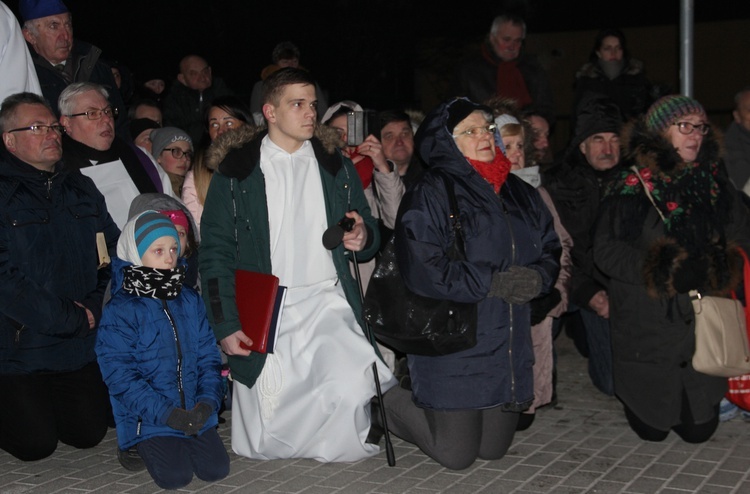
<point x="512" y="228"/>
<point x="48" y="261"/>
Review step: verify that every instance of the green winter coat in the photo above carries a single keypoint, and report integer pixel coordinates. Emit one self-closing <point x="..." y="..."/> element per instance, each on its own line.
<point x="241" y="241"/>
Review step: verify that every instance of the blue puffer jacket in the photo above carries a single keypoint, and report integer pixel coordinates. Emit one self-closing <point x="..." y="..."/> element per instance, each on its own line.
<point x="138" y="349"/>
<point x="48" y="261"/>
<point x="512" y="228"/>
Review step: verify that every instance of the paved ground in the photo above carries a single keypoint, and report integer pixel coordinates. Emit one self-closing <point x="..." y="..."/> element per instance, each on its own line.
<point x="583" y="445"/>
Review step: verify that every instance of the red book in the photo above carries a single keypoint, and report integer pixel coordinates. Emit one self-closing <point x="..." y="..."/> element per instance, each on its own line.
<point x="260" y="300"/>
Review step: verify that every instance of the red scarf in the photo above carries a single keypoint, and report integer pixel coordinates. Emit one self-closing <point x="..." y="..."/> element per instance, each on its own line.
<point x="364" y="168"/>
<point x="509" y="80"/>
<point x="494" y="172"/>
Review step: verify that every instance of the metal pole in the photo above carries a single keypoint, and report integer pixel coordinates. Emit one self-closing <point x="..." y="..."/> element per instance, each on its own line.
<point x="686" y="47"/>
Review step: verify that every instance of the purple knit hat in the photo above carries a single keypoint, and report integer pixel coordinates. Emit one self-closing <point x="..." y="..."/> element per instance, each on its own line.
<point x="667" y="110"/>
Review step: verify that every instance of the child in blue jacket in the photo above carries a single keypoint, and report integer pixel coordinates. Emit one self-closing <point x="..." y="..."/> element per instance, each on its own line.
<point x="159" y="359"/>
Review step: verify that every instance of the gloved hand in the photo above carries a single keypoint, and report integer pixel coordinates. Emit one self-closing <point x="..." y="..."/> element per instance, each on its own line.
<point x="517" y="285"/>
<point x="691" y="274"/>
<point x="179" y="419"/>
<point x="200" y="415"/>
<point x="541" y="306"/>
<point x="190" y="422"/>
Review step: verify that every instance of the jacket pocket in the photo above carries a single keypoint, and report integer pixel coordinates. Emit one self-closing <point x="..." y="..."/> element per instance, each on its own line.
<point x="27" y="216"/>
<point x="83" y="210"/>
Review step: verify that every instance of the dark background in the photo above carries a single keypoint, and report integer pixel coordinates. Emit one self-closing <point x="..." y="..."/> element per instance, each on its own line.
<point x="366" y="50"/>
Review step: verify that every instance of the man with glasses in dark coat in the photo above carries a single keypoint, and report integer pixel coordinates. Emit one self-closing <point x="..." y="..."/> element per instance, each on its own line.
<point x="53" y="279"/>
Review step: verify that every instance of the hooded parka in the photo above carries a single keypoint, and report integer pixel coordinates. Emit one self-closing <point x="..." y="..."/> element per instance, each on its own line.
<point x="501" y="230"/>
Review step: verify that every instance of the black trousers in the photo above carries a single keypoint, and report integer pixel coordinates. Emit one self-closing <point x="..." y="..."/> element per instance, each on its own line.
<point x="171" y="460"/>
<point x="688" y="430"/>
<point x="38" y="410"/>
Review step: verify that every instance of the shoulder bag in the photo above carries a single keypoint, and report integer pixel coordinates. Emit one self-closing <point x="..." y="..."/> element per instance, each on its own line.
<point x="411" y="323"/>
<point x="721" y="340"/>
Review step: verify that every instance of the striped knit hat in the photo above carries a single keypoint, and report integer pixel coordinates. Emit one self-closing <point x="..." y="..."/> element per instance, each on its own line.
<point x="667" y="110"/>
<point x="150" y="226"/>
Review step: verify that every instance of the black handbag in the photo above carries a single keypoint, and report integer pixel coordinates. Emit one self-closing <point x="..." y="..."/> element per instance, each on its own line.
<point x="411" y="323"/>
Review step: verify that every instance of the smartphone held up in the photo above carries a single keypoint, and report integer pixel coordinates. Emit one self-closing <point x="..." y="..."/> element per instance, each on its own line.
<point x="360" y="124"/>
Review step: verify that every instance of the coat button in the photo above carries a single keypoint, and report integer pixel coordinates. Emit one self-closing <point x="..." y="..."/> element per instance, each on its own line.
<point x="683" y="365"/>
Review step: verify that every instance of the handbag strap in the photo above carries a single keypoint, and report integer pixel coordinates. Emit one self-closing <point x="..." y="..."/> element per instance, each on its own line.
<point x="455" y="214"/>
<point x="746" y="281"/>
<point x="648" y="193"/>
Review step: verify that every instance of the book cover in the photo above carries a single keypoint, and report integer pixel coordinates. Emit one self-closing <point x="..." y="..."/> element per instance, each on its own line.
<point x="260" y="302"/>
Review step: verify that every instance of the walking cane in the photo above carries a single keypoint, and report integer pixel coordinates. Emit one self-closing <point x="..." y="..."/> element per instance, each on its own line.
<point x="331" y="239"/>
<point x="370" y="336"/>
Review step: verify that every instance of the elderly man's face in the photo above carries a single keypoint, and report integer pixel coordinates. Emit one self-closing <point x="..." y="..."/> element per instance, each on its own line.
<point x="507" y="41"/>
<point x="602" y="150"/>
<point x="97" y="134"/>
<point x="742" y="113"/>
<point x="51" y="37"/>
<point x="41" y="151"/>
<point x="195" y="74"/>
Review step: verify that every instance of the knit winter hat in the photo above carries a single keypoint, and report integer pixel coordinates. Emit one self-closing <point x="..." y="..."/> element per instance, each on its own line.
<point x="667" y="110"/>
<point x="178" y="217"/>
<point x="595" y="114"/>
<point x="138" y="125"/>
<point x="460" y="109"/>
<point x="36" y="9"/>
<point x="161" y="138"/>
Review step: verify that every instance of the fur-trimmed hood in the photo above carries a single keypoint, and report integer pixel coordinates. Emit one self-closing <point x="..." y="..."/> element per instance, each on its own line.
<point x="218" y="156"/>
<point x="592" y="70"/>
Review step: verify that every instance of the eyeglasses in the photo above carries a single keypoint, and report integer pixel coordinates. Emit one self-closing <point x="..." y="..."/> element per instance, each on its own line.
<point x="687" y="128"/>
<point x="97" y="114"/>
<point x="178" y="153"/>
<point x="40" y="130"/>
<point x="476" y="132"/>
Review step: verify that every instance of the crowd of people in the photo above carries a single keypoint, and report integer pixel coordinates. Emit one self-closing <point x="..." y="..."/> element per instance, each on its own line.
<point x="154" y="196"/>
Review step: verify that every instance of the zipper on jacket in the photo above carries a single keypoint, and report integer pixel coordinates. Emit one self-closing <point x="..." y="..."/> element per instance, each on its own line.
<point x="17" y="337"/>
<point x="510" y="306"/>
<point x="176" y="335"/>
<point x="138" y="426"/>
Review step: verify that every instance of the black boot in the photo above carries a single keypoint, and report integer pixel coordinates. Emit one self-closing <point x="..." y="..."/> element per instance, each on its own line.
<point x="376" y="425"/>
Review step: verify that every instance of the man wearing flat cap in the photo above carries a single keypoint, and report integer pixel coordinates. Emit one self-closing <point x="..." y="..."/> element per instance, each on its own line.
<point x="576" y="186"/>
<point x="60" y="59"/>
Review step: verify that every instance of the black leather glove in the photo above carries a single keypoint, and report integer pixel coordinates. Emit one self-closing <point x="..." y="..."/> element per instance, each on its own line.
<point x="517" y="285"/>
<point x="691" y="274"/>
<point x="541" y="306"/>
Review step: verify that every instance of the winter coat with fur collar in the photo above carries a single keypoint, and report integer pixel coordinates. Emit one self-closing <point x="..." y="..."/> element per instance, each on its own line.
<point x="652" y="324"/>
<point x="235" y="230"/>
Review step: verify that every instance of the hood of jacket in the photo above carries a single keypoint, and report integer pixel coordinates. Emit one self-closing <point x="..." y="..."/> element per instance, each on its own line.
<point x="161" y="202"/>
<point x="435" y="143"/>
<point x="236" y="153"/>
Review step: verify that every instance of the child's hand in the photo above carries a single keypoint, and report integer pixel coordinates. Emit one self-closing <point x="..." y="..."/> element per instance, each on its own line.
<point x="231" y="344"/>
